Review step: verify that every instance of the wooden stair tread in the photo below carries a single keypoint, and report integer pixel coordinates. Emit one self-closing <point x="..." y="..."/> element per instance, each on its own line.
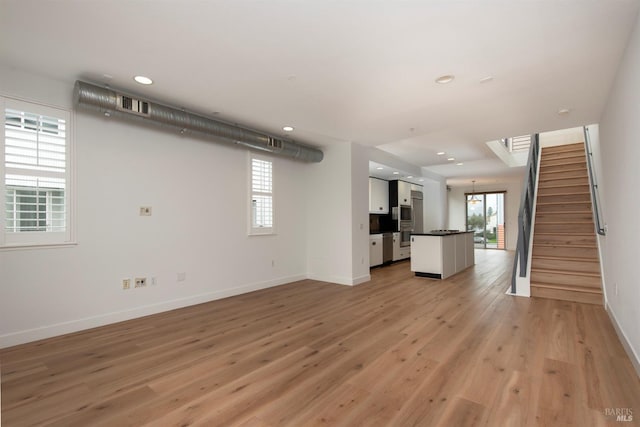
<point x="564" y="202"/>
<point x="573" y="288"/>
<point x="563" y="213"/>
<point x="562" y="222"/>
<point x="565" y="272"/>
<point x="573" y="167"/>
<point x="566" y="153"/>
<point x="561" y="245"/>
<point x="563" y="233"/>
<point x="544" y="175"/>
<point x="545" y="178"/>
<point x="562" y="185"/>
<point x="566" y="258"/>
<point x="562" y="147"/>
<point x="570" y="160"/>
<point x="571" y="193"/>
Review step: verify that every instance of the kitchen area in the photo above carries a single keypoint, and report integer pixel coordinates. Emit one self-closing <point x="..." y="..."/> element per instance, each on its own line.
<point x="395" y="212"/>
<point x="396" y="227"/>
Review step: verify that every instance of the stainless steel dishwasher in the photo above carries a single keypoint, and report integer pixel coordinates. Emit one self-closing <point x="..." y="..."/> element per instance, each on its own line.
<point x="387" y="248"/>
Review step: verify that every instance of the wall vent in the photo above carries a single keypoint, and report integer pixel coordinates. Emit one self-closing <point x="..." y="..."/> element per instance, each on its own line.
<point x="132" y="105"/>
<point x="275" y="144"/>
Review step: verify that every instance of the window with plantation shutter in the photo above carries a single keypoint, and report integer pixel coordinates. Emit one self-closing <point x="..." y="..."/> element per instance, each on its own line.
<point x="261" y="205"/>
<point x="35" y="170"/>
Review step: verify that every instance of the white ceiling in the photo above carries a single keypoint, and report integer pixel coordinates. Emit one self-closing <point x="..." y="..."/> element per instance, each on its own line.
<point x="354" y="70"/>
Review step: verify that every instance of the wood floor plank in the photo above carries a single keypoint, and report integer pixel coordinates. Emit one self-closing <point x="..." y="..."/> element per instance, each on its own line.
<point x="398" y="350"/>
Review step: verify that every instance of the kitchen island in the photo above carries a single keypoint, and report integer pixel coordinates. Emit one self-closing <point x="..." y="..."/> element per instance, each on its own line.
<point x="441" y="253"/>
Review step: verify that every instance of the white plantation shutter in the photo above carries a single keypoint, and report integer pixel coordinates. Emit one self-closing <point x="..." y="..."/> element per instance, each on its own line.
<point x="261" y="196"/>
<point x="36" y="174"/>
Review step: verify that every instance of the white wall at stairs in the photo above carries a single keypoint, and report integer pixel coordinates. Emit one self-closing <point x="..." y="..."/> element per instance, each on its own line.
<point x="620" y="151"/>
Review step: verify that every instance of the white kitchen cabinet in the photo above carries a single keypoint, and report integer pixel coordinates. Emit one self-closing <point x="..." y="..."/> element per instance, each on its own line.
<point x="441" y="256"/>
<point x="470" y="247"/>
<point x="400" y="252"/>
<point x="375" y="250"/>
<point x="405" y="252"/>
<point x="427" y="255"/>
<point x="396" y="246"/>
<point x="448" y="256"/>
<point x="461" y="251"/>
<point x="404" y="193"/>
<point x="416" y="187"/>
<point x="378" y="196"/>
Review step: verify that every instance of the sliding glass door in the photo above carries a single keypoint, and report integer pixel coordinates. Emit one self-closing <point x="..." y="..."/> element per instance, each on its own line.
<point x="485" y="217"/>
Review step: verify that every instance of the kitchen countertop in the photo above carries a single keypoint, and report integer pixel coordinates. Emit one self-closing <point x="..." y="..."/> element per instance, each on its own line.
<point x="441" y="233"/>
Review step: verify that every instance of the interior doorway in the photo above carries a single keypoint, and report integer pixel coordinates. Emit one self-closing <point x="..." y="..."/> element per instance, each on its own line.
<point x="485" y="217"/>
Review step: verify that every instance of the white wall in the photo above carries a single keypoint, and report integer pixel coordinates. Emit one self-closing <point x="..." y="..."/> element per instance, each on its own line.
<point x="338" y="247"/>
<point x="620" y="152"/>
<point x="360" y="213"/>
<point x="513" y="188"/>
<point x="198" y="192"/>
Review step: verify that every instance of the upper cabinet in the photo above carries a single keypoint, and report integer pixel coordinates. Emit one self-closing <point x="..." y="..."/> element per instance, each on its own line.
<point x="378" y="196"/>
<point x="416" y="187"/>
<point x="400" y="193"/>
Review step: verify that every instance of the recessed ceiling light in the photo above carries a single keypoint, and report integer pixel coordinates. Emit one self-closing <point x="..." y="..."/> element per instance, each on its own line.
<point x="380" y="168"/>
<point x="143" y="80"/>
<point x="486" y="79"/>
<point x="563" y="111"/>
<point x="451" y="159"/>
<point x="459" y="164"/>
<point x="410" y="176"/>
<point x="440" y="153"/>
<point x="288" y="128"/>
<point x="396" y="173"/>
<point x="421" y="180"/>
<point x="445" y="79"/>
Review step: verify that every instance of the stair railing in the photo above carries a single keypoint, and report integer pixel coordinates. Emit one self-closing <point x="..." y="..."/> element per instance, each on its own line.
<point x="525" y="213"/>
<point x="593" y="183"/>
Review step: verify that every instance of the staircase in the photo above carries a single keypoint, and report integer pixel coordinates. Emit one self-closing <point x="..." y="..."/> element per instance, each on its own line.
<point x="565" y="263"/>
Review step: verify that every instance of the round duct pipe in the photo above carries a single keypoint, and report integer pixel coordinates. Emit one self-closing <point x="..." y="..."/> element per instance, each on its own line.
<point x="110" y="102"/>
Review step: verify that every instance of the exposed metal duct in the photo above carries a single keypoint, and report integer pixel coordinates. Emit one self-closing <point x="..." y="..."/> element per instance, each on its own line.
<point x="110" y="102"/>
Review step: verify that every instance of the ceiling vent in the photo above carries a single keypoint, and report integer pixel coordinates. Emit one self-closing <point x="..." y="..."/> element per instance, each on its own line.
<point x="110" y="102"/>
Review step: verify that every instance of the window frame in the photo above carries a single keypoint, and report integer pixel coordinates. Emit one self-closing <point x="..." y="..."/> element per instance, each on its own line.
<point x="8" y="239"/>
<point x="252" y="230"/>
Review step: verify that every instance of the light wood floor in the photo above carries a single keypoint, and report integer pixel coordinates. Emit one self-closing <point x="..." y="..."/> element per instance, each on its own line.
<point x="398" y="351"/>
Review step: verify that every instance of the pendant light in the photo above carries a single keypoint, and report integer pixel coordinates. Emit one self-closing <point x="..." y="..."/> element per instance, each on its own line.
<point x="473" y="200"/>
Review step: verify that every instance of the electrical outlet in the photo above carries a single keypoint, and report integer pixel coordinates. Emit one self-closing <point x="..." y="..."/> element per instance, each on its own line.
<point x="141" y="282"/>
<point x="126" y="283"/>
<point x="154" y="281"/>
<point x="145" y="210"/>
<point x="182" y="277"/>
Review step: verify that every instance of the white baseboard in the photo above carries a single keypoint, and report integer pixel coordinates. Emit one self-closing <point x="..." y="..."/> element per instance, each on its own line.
<point x="635" y="360"/>
<point x="340" y="280"/>
<point x="361" y="279"/>
<point x="29" y="335"/>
